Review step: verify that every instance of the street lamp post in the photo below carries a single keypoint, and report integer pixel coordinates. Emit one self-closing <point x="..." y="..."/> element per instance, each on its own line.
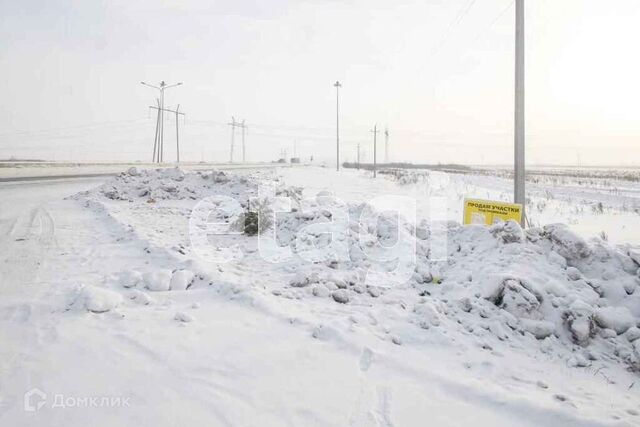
<point x="519" y="135"/>
<point x="161" y="88"/>
<point x="337" y="85"/>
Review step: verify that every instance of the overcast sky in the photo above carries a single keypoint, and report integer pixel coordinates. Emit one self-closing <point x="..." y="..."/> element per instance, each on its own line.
<point x="438" y="73"/>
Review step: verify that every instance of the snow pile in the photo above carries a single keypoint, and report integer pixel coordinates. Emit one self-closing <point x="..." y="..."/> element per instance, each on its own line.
<point x="154" y="185"/>
<point x="551" y="285"/>
<point x="100" y="300"/>
<point x="501" y="281"/>
<point x="543" y="287"/>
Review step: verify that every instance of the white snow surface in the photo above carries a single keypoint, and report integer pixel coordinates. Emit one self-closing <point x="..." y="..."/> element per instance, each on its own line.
<point x="483" y="326"/>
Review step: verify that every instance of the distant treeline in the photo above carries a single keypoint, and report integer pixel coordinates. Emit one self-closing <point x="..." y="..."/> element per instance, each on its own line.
<point x="439" y="166"/>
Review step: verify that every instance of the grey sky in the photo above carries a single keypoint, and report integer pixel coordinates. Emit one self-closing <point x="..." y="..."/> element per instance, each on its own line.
<point x="444" y="86"/>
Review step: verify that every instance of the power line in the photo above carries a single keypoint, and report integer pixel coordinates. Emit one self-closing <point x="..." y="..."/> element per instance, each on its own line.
<point x="456" y="21"/>
<point x="493" y="22"/>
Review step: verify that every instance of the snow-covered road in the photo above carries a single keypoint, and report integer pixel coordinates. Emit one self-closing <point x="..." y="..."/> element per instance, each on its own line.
<point x="246" y="358"/>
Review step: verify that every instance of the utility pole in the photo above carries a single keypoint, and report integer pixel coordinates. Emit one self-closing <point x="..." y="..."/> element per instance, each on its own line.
<point x="158" y="126"/>
<point x="337" y="85"/>
<point x="375" y="159"/>
<point x="358" y="164"/>
<point x="233" y="125"/>
<point x="243" y="127"/>
<point x="519" y="161"/>
<point x="386" y="145"/>
<point x="160" y="138"/>
<point x="177" y="136"/>
<point x="156" y="148"/>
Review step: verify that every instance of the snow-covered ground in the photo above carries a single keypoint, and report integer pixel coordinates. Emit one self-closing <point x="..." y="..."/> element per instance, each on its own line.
<point x="139" y="302"/>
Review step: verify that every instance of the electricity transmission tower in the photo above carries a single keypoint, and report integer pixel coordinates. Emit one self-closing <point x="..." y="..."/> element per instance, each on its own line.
<point x="177" y="113"/>
<point x="358" y="157"/>
<point x="375" y="158"/>
<point x="235" y="124"/>
<point x="159" y="139"/>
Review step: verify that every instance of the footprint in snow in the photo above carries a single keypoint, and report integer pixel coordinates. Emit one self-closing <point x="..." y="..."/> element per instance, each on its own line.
<point x="366" y="358"/>
<point x="383" y="412"/>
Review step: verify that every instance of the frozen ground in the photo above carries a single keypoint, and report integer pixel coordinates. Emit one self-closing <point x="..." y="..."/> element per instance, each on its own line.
<point x="110" y="310"/>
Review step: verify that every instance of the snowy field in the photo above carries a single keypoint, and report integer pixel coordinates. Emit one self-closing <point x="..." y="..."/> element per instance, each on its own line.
<point x="137" y="300"/>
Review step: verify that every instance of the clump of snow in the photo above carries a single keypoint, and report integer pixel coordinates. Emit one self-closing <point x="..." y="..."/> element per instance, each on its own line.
<point x="619" y="319"/>
<point x="509" y="232"/>
<point x="181" y="280"/>
<point x="538" y="328"/>
<point x="130" y="278"/>
<point x="580" y="322"/>
<point x="341" y="296"/>
<point x="158" y="280"/>
<point x="140" y="297"/>
<point x="183" y="317"/>
<point x="566" y="242"/>
<point x="573" y="273"/>
<point x="100" y="300"/>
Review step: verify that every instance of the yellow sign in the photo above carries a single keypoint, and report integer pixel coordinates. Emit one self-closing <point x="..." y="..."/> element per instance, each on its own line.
<point x="489" y="212"/>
